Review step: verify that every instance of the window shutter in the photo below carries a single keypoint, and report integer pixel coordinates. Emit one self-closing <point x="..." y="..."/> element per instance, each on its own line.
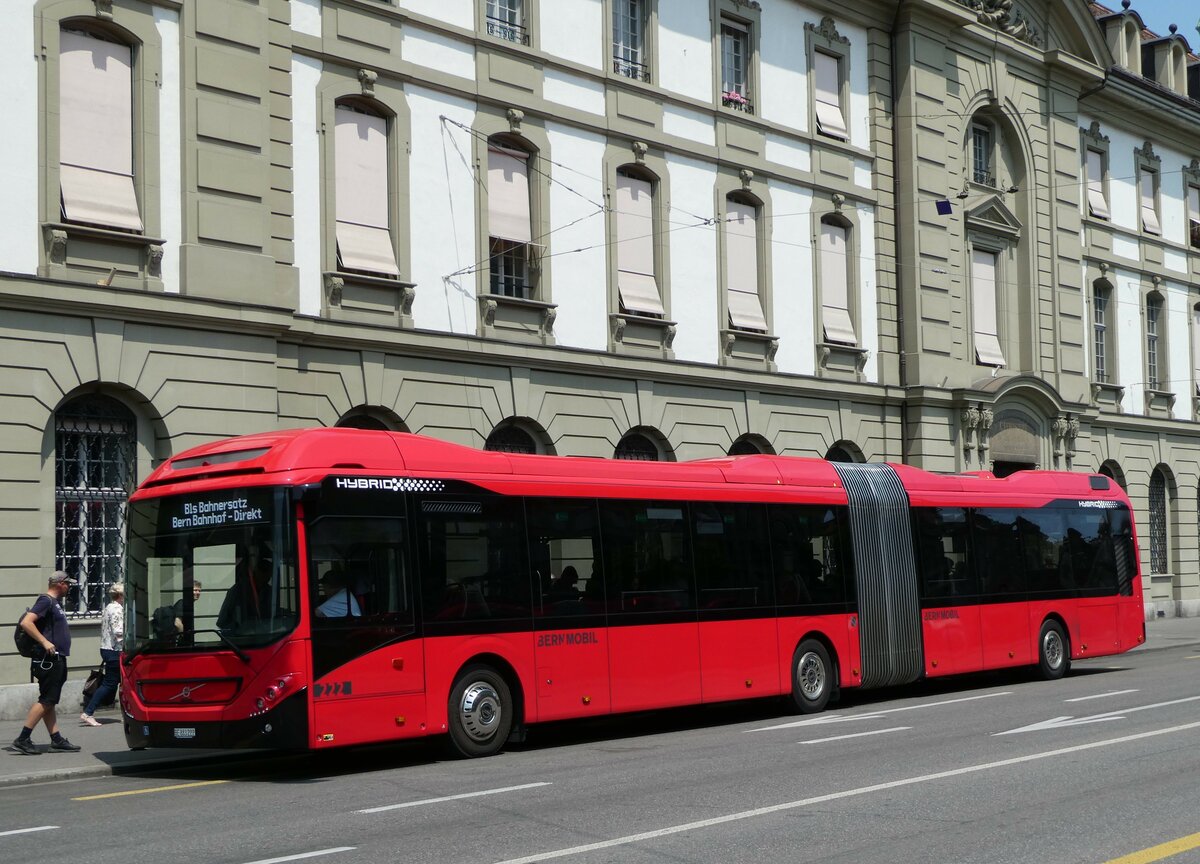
<point x="508" y="195"/>
<point x="635" y="247"/>
<point x="983" y="292"/>
<point x="835" y="285"/>
<point x="741" y="246"/>
<point x="361" y="181"/>
<point x="1097" y="203"/>
<point x="96" y="132"/>
<point x="829" y="95"/>
<point x="1149" y="214"/>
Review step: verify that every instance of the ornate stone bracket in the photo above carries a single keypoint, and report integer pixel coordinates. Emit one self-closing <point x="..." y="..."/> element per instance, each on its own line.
<point x="57" y="245"/>
<point x="334" y="286"/>
<point x="366" y="80"/>
<point x="515" y="118"/>
<point x="104" y="9"/>
<point x="1146" y="152"/>
<point x="639" y="152"/>
<point x="827" y="30"/>
<point x="1093" y="133"/>
<point x="517" y="318"/>
<point x="57" y="237"/>
<point x="970" y="422"/>
<point x="154" y="261"/>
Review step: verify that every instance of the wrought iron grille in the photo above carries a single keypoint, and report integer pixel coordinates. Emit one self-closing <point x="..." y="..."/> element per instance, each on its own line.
<point x="510" y="439"/>
<point x="637" y="448"/>
<point x="94" y="472"/>
<point x="509" y="32"/>
<point x="630" y="69"/>
<point x="1158" y="523"/>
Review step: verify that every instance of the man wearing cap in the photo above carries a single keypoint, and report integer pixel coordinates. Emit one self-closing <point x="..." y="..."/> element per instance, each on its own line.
<point x="49" y="665"/>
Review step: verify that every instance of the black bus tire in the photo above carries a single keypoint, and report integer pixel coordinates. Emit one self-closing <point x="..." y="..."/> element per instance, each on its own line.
<point x="1054" y="651"/>
<point x="813" y="677"/>
<point x="480" y="711"/>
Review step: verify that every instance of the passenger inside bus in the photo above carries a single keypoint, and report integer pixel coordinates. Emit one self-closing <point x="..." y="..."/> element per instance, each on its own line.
<point x="339" y="602"/>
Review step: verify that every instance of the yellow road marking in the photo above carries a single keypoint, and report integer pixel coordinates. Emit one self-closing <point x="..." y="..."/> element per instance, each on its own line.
<point x="1159" y="852"/>
<point x="1193" y="657"/>
<point x="146" y="791"/>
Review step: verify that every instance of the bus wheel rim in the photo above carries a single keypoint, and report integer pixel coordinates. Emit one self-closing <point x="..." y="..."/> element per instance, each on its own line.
<point x="1052" y="648"/>
<point x="480" y="711"/>
<point x="810" y="673"/>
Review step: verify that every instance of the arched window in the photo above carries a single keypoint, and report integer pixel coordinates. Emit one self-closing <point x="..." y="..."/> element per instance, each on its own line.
<point x="95" y="458"/>
<point x="362" y="421"/>
<point x="636" y="447"/>
<point x="1113" y="471"/>
<point x="840" y="453"/>
<point x="510" y="438"/>
<point x="1159" y="541"/>
<point x="749" y="445"/>
<point x="637" y="284"/>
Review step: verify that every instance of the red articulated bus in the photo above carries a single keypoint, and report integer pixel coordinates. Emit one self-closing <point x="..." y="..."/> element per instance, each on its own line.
<point x="317" y="588"/>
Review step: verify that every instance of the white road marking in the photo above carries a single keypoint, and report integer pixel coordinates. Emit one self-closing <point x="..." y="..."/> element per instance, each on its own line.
<point x="1060" y="722"/>
<point x="834" y="796"/>
<point x="856" y="735"/>
<point x="318" y="853"/>
<point x="451" y="798"/>
<point x="1100" y="695"/>
<point x="838" y="718"/>
<point x="28" y="830"/>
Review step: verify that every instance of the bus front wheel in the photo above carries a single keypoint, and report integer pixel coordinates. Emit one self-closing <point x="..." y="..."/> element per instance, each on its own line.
<point x="480" y="711"/>
<point x="812" y="677"/>
<point x="1054" y="652"/>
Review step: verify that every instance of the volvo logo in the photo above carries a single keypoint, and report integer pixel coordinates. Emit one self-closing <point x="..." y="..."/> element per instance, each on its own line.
<point x="185" y="695"/>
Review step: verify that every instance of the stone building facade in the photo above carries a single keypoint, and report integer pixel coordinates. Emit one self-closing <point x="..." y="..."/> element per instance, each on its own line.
<point x="964" y="234"/>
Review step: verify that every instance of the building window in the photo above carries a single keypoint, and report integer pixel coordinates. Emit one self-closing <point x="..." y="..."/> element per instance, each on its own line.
<point x="1196" y="347"/>
<point x="636" y="283"/>
<point x="510" y="439"/>
<point x="1148" y="184"/>
<point x="1097" y="200"/>
<point x="629" y="39"/>
<point x="984" y="279"/>
<point x="637" y="448"/>
<point x="837" y="322"/>
<point x="1193" y="196"/>
<point x="1154" y="309"/>
<point x="510" y="236"/>
<point x="96" y="167"/>
<point x="506" y="20"/>
<point x="982" y="150"/>
<point x="1158" y="522"/>
<point x="364" y="240"/>
<point x="735" y="66"/>
<point x="827" y="72"/>
<point x="741" y="266"/>
<point x="1101" y="296"/>
<point x="95" y="446"/>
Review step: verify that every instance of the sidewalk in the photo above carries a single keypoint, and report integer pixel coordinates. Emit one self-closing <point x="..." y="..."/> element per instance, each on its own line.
<point x="104" y="751"/>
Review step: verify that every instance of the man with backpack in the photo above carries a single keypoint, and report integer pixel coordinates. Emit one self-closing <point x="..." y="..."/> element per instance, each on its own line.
<point x="46" y="624"/>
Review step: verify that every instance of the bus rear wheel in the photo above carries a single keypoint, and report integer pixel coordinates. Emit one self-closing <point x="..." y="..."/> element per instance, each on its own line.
<point x="480" y="711"/>
<point x="1054" y="652"/>
<point x="812" y="677"/>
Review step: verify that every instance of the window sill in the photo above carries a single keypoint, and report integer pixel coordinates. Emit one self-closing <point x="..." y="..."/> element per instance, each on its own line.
<point x="749" y="349"/>
<point x="1160" y="403"/>
<point x="844" y="362"/>
<point x="1107" y="396"/>
<point x="116" y="258"/>
<point x="366" y="299"/>
<point x="641" y="335"/>
<point x="516" y="319"/>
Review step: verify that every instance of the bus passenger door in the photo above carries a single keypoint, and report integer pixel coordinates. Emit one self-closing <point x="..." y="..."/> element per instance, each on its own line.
<point x="654" y="639"/>
<point x="570" y="638"/>
<point x="950" y="611"/>
<point x="368" y="667"/>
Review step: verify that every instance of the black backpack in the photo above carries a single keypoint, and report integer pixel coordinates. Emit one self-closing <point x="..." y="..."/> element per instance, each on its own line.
<point x="27" y="646"/>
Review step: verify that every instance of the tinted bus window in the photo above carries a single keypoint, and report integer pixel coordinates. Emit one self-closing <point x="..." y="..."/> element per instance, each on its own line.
<point x="1090" y="548"/>
<point x="810" y="555"/>
<point x="646" y="556"/>
<point x="357" y="570"/>
<point x="1124" y="554"/>
<point x="1042" y="535"/>
<point x="473" y="563"/>
<point x="942" y="544"/>
<point x="564" y="551"/>
<point x="997" y="552"/>
<point x="731" y="546"/>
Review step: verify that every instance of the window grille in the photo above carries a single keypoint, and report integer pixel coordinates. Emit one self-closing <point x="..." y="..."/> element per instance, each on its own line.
<point x="637" y="448"/>
<point x="506" y="20"/>
<point x="510" y="439"/>
<point x="94" y="472"/>
<point x="1158" y="522"/>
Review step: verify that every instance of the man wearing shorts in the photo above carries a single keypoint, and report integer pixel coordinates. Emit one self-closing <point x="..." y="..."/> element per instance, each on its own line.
<point x="47" y="624"/>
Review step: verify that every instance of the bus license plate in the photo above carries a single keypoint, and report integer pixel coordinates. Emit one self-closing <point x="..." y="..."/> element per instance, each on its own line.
<point x="185" y="732"/>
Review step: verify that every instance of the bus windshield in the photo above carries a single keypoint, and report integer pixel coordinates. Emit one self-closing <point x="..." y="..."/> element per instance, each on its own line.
<point x="209" y="570"/>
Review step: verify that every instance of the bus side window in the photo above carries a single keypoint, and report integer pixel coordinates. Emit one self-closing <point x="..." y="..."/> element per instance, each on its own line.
<point x="997" y="554"/>
<point x="649" y="568"/>
<point x="731" y="548"/>
<point x="564" y="545"/>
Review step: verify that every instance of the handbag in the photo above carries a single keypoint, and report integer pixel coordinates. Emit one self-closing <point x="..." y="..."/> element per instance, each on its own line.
<point x="92" y="684"/>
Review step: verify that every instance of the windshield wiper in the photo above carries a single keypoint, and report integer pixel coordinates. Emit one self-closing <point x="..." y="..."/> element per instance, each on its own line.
<point x="242" y="655"/>
<point x="128" y="656"/>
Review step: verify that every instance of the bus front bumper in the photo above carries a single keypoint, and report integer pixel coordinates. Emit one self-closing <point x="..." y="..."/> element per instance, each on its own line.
<point x="284" y="727"/>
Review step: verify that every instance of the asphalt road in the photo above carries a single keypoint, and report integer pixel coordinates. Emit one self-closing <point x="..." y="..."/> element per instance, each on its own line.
<point x="978" y="769"/>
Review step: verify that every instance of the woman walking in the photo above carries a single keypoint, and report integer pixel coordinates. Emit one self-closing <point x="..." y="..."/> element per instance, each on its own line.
<point x="112" y="633"/>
